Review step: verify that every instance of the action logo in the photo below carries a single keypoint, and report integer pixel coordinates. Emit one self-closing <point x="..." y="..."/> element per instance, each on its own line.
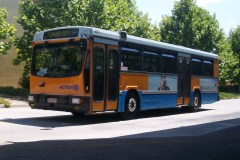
<point x="69" y="87"/>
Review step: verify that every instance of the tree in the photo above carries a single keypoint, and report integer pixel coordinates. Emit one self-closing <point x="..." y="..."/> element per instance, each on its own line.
<point x="107" y="14"/>
<point x="192" y="26"/>
<point x="227" y="65"/>
<point x="234" y="39"/>
<point x="123" y="15"/>
<point x="7" y="32"/>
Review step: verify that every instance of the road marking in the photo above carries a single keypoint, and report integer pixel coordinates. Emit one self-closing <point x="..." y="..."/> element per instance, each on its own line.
<point x="6" y="143"/>
<point x="2" y="122"/>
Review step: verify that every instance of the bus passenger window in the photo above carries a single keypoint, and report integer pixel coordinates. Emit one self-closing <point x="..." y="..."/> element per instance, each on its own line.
<point x="131" y="59"/>
<point x="208" y="68"/>
<point x="169" y="63"/>
<point x="151" y="62"/>
<point x="197" y="67"/>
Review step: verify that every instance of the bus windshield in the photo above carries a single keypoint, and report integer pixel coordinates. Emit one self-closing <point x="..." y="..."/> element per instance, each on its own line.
<point x="57" y="60"/>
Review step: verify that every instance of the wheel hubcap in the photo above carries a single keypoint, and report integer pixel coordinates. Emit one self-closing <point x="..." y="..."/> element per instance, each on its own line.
<point x="195" y="101"/>
<point x="132" y="105"/>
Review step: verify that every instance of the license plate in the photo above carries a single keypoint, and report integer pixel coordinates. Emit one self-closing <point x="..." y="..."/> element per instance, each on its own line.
<point x="52" y="100"/>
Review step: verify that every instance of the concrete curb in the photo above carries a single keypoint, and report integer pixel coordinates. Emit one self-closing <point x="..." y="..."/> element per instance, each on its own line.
<point x="19" y="106"/>
<point x="17" y="103"/>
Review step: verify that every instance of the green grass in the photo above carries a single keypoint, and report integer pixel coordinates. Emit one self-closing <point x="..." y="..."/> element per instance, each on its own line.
<point x="224" y="95"/>
<point x="5" y="102"/>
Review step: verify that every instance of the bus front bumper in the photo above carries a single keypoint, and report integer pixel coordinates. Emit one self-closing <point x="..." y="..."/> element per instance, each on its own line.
<point x="75" y="104"/>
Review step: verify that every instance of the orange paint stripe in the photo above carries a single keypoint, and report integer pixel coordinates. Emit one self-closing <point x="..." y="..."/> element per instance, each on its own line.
<point x="216" y="69"/>
<point x="195" y="83"/>
<point x="133" y="81"/>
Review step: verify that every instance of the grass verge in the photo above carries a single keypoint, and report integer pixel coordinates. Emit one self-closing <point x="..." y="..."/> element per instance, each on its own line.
<point x="224" y="95"/>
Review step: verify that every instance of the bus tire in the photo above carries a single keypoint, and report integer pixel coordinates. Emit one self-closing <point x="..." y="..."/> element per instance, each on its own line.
<point x="77" y="114"/>
<point x="131" y="106"/>
<point x="196" y="102"/>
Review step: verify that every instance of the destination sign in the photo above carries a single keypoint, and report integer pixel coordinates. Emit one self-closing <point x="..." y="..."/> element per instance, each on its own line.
<point x="63" y="33"/>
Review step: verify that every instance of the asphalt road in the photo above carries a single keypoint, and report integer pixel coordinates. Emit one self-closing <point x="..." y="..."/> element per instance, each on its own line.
<point x="212" y="133"/>
<point x="221" y="145"/>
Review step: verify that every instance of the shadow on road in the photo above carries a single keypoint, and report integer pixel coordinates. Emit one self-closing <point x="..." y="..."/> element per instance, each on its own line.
<point x="220" y="145"/>
<point x="70" y="120"/>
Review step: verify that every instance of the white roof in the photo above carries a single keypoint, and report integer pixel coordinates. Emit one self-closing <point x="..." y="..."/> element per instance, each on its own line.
<point x="91" y="31"/>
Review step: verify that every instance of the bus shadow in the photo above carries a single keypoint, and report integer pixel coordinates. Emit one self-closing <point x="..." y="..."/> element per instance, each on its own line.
<point x="166" y="112"/>
<point x="51" y="122"/>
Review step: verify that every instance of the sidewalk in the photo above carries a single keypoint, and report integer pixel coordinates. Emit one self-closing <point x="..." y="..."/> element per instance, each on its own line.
<point x="17" y="102"/>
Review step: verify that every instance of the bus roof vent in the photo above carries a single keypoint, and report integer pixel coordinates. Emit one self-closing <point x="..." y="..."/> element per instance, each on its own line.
<point x="123" y="35"/>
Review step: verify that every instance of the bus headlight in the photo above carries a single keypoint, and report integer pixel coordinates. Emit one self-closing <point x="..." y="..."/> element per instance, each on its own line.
<point x="30" y="98"/>
<point x="77" y="101"/>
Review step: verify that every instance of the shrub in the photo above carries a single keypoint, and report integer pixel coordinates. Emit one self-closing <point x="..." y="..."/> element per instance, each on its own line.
<point x="5" y="102"/>
<point x="11" y="91"/>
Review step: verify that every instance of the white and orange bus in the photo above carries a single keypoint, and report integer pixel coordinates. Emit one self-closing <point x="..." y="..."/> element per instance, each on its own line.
<point x="86" y="70"/>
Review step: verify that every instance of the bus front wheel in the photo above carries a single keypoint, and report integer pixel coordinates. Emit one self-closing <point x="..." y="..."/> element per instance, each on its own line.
<point x="131" y="106"/>
<point x="77" y="114"/>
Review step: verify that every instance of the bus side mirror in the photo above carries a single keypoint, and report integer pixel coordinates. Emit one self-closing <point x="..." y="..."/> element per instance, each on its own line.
<point x="83" y="44"/>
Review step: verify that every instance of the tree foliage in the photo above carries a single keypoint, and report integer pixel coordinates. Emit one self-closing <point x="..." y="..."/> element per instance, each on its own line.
<point x="227" y="65"/>
<point x="234" y="40"/>
<point x="107" y="14"/>
<point x="123" y="15"/>
<point x="7" y="32"/>
<point x="192" y="26"/>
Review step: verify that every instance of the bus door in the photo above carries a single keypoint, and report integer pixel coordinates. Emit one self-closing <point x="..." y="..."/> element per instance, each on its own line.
<point x="105" y="77"/>
<point x="184" y="79"/>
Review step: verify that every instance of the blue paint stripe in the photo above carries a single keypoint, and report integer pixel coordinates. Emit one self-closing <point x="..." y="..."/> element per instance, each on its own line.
<point x="150" y="101"/>
<point x="209" y="98"/>
<point x="121" y="100"/>
<point x="206" y="98"/>
<point x="158" y="101"/>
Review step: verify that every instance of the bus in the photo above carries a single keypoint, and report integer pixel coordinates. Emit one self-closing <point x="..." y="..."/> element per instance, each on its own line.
<point x="87" y="71"/>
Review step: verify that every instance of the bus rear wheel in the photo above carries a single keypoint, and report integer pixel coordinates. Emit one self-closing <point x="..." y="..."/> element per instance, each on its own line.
<point x="131" y="106"/>
<point x="196" y="102"/>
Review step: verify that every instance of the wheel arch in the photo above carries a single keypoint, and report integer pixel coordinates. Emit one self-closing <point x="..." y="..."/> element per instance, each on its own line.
<point x="133" y="91"/>
<point x="123" y="96"/>
<point x="137" y="94"/>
